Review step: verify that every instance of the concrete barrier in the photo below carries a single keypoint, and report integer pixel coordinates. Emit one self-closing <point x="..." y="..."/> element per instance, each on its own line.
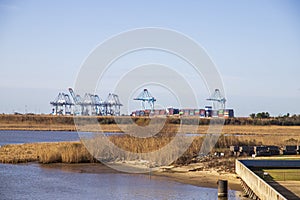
<point x="272" y="163"/>
<point x="259" y="187"/>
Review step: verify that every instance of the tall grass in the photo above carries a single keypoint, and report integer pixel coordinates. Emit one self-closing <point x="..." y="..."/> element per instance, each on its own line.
<point x="65" y="153"/>
<point x="160" y="149"/>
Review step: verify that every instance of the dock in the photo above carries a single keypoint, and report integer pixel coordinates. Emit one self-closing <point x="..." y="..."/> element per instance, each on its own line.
<point x="258" y="184"/>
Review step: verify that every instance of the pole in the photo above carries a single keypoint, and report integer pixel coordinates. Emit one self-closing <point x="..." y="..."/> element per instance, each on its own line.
<point x="222" y="188"/>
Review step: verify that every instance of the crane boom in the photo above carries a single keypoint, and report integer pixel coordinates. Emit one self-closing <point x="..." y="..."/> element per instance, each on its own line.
<point x="218" y="97"/>
<point x="146" y="99"/>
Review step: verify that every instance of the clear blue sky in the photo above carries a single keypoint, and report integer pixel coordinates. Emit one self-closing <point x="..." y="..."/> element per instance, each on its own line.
<point x="255" y="45"/>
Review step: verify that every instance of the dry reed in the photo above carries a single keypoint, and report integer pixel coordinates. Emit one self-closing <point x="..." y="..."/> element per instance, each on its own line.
<point x="133" y="148"/>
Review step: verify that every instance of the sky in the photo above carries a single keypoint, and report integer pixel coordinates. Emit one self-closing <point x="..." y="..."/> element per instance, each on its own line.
<point x="255" y="46"/>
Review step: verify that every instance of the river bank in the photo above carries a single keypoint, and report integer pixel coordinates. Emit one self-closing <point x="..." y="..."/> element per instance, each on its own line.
<point x="74" y="157"/>
<point x="181" y="174"/>
<point x="240" y="125"/>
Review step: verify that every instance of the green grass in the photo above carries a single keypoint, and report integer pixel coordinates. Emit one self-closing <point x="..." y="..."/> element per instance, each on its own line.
<point x="283" y="174"/>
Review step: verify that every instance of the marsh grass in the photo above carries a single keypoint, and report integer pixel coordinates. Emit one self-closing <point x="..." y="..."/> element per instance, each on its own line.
<point x="159" y="150"/>
<point x="73" y="152"/>
<point x="66" y="152"/>
<point x="134" y="148"/>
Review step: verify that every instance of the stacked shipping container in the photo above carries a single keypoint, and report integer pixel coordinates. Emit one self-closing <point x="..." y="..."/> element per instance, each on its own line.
<point x="207" y="112"/>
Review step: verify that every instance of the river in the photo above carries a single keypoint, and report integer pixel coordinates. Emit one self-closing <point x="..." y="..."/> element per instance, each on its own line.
<point x="34" y="181"/>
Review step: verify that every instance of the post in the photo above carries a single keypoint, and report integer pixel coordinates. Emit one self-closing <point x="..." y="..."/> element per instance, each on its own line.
<point x="222" y="188"/>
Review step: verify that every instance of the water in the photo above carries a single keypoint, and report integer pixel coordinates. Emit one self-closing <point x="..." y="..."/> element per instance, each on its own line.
<point x="32" y="181"/>
<point x="20" y="137"/>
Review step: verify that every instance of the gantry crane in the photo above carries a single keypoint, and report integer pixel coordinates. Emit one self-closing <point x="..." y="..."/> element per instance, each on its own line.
<point x="79" y="107"/>
<point x="112" y="105"/>
<point x="90" y="104"/>
<point x="219" y="98"/>
<point x="147" y="100"/>
<point x="62" y="104"/>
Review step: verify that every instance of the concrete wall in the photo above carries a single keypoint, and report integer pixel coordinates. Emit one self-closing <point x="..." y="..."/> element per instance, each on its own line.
<point x="263" y="190"/>
<point x="272" y="163"/>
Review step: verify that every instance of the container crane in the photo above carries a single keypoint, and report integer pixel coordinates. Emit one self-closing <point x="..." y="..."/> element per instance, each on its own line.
<point x="147" y="100"/>
<point x="218" y="97"/>
<point x="98" y="104"/>
<point x="79" y="107"/>
<point x="62" y="104"/>
<point x="112" y="105"/>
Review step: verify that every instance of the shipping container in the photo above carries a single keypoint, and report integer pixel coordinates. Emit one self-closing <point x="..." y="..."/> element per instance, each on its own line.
<point x="290" y="150"/>
<point x="170" y="111"/>
<point x="202" y="113"/>
<point x="137" y="113"/>
<point x="228" y="113"/>
<point x="162" y="112"/>
<point x="147" y="112"/>
<point x="262" y="151"/>
<point x="175" y="111"/>
<point x="142" y="113"/>
<point x="208" y="113"/>
<point x="221" y="113"/>
<point x="234" y="148"/>
<point x="191" y="112"/>
<point x="208" y="108"/>
<point x="186" y="112"/>
<point x="274" y="150"/>
<point x="214" y="113"/>
<point x="246" y="150"/>
<point x="231" y="112"/>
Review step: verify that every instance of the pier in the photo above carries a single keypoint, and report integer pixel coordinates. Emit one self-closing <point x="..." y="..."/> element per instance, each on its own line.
<point x="261" y="185"/>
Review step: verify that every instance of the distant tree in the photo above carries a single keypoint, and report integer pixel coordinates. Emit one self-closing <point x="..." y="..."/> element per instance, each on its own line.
<point x="267" y="115"/>
<point x="252" y="115"/>
<point x="258" y="115"/>
<point x="263" y="115"/>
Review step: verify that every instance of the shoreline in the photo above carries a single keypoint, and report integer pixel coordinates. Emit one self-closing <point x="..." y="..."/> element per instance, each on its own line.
<point x="73" y="156"/>
<point x="204" y="178"/>
<point x="200" y="178"/>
